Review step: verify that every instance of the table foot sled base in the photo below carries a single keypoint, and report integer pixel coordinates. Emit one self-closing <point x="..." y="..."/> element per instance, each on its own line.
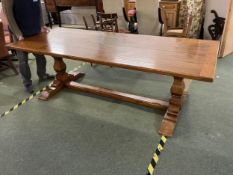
<point x="56" y="86"/>
<point x="172" y="108"/>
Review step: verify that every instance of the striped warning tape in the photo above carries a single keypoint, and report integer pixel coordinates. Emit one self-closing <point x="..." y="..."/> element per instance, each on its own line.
<point x="22" y="103"/>
<point x="155" y="159"/>
<point x="32" y="96"/>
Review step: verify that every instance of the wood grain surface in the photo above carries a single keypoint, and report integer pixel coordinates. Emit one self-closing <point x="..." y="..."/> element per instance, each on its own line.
<point x="177" y="57"/>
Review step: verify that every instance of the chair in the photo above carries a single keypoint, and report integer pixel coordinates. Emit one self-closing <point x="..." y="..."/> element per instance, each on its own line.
<point x="85" y="23"/>
<point x="94" y="26"/>
<point x="95" y="22"/>
<point x="7" y="34"/>
<point x="131" y="18"/>
<point x="4" y="54"/>
<point x="147" y="17"/>
<point x="52" y="8"/>
<point x="83" y="16"/>
<point x="176" y="32"/>
<point x="115" y="6"/>
<point x="160" y="21"/>
<point x="108" y="22"/>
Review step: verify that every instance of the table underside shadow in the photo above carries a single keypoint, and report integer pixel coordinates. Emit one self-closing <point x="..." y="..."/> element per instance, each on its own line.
<point x="172" y="108"/>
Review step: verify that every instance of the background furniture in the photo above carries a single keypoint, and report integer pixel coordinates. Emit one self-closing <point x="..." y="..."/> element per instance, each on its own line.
<point x="129" y="5"/>
<point x="97" y="3"/>
<point x="116" y="6"/>
<point x="216" y="29"/>
<point x="79" y="16"/>
<point x="197" y="9"/>
<point x="4" y="54"/>
<point x="7" y="35"/>
<point x="53" y="9"/>
<point x="95" y="25"/>
<point x="176" y="32"/>
<point x="171" y="9"/>
<point x="72" y="11"/>
<point x="108" y="22"/>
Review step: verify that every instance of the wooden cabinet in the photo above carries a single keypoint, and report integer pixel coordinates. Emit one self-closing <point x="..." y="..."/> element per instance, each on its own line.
<point x="172" y="11"/>
<point x="76" y="2"/>
<point x="97" y="3"/>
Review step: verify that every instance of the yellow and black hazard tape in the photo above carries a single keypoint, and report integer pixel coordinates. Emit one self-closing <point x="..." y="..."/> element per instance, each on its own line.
<point x="22" y="103"/>
<point x="155" y="159"/>
<point x="31" y="97"/>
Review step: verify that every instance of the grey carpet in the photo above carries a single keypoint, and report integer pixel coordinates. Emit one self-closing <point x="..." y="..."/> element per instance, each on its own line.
<point x="78" y="133"/>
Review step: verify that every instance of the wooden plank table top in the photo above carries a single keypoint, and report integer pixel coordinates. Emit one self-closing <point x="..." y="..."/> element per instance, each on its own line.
<point x="177" y="57"/>
<point x="187" y="58"/>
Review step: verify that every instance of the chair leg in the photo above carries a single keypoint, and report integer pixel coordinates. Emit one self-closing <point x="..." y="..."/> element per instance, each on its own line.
<point x="59" y="18"/>
<point x="50" y="21"/>
<point x="11" y="65"/>
<point x="161" y="30"/>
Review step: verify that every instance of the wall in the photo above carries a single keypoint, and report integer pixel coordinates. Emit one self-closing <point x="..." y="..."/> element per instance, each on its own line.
<point x="147" y="14"/>
<point x="220" y="6"/>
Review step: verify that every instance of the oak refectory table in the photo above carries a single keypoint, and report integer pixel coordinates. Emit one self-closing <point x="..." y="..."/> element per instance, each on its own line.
<point x="179" y="58"/>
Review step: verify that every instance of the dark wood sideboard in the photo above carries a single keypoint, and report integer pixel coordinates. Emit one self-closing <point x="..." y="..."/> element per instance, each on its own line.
<point x="97" y="3"/>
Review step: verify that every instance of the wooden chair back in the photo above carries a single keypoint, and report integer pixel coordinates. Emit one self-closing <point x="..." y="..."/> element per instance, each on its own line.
<point x="3" y="49"/>
<point x="4" y="54"/>
<point x="108" y="22"/>
<point x="172" y="31"/>
<point x="164" y="20"/>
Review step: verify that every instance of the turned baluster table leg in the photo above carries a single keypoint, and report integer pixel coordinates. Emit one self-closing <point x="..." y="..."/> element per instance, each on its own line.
<point x="175" y="104"/>
<point x="62" y="77"/>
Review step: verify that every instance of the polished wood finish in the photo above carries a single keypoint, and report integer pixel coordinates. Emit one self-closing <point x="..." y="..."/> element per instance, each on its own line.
<point x="62" y="77"/>
<point x="175" y="103"/>
<point x="180" y="57"/>
<point x="172" y="10"/>
<point x="177" y="57"/>
<point x="143" y="101"/>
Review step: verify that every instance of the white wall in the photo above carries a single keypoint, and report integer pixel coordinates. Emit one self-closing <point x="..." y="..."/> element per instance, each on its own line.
<point x="147" y="15"/>
<point x="44" y="13"/>
<point x="221" y="6"/>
